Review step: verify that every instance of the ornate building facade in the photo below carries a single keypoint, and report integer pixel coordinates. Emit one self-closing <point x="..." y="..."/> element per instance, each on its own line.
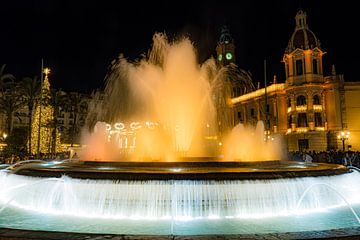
<point x="310" y="110"/>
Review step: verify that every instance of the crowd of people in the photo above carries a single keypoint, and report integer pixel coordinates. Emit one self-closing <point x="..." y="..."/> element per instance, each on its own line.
<point x="349" y="158"/>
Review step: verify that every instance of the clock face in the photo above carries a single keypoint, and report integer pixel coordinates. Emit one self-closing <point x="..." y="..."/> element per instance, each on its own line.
<point x="229" y="56"/>
<point x="220" y="57"/>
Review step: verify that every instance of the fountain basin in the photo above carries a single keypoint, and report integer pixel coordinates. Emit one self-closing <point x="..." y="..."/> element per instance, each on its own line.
<point x="192" y="197"/>
<point x="184" y="169"/>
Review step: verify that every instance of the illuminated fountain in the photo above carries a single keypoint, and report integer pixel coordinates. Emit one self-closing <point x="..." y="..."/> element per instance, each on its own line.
<point x="154" y="165"/>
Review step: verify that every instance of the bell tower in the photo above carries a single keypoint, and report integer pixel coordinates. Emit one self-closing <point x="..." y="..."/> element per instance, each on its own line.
<point x="225" y="48"/>
<point x="303" y="56"/>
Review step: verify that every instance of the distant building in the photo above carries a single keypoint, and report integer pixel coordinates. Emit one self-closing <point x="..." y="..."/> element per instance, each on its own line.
<point x="309" y="109"/>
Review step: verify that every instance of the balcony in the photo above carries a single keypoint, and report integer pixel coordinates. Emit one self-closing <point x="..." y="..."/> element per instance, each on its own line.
<point x="317" y="108"/>
<point x="302" y="129"/>
<point x="301" y="108"/>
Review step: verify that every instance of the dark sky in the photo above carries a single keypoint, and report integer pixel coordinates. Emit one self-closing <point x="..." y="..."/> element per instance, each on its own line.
<point x="79" y="39"/>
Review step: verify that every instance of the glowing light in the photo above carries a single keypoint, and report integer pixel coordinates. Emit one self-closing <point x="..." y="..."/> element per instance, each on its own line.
<point x="47" y="143"/>
<point x="135" y="125"/>
<point x="289" y="109"/>
<point x="302" y="129"/>
<point x="260" y="92"/>
<point x="118" y="126"/>
<point x="229" y="56"/>
<point x="47" y="71"/>
<point x="301" y="108"/>
<point x="317" y="108"/>
<point x="344" y="135"/>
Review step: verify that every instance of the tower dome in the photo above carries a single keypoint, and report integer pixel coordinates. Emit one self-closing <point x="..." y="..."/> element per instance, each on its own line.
<point x="303" y="37"/>
<point x="225" y="37"/>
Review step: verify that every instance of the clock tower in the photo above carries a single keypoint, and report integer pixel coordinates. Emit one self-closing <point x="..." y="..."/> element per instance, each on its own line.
<point x="225" y="48"/>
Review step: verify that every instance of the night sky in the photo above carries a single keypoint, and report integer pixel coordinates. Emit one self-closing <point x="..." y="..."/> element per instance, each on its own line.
<point x="79" y="39"/>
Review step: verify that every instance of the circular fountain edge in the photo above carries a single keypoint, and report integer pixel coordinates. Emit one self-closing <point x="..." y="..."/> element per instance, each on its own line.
<point x="198" y="169"/>
<point x="343" y="233"/>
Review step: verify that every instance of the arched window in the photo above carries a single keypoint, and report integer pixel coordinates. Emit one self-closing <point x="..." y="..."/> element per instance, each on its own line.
<point x="302" y="120"/>
<point x="318" y="120"/>
<point x="289" y="102"/>
<point x="315" y="66"/>
<point x="316" y="100"/>
<point x="299" y="67"/>
<point x="300" y="100"/>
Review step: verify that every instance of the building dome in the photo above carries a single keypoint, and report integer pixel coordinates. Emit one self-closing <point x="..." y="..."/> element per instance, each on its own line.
<point x="225" y="37"/>
<point x="303" y="37"/>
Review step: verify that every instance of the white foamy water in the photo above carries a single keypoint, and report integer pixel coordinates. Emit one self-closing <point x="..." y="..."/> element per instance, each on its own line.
<point x="178" y="199"/>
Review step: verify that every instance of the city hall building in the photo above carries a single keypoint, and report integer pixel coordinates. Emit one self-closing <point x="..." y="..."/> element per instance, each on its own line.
<point x="311" y="111"/>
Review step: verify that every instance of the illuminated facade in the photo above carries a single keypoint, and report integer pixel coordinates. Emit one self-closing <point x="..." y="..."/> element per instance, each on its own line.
<point x="309" y="109"/>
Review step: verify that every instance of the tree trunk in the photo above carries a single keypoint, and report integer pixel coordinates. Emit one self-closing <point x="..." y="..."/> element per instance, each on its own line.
<point x="29" y="129"/>
<point x="10" y="123"/>
<point x="74" y="129"/>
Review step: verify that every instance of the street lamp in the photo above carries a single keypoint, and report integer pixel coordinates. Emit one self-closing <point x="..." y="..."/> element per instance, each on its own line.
<point x="343" y="136"/>
<point x="3" y="136"/>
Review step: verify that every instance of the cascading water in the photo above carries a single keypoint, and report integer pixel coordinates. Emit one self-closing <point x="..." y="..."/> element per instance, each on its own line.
<point x="177" y="199"/>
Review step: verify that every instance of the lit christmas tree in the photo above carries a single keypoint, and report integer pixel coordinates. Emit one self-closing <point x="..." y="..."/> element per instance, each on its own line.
<point x="44" y="113"/>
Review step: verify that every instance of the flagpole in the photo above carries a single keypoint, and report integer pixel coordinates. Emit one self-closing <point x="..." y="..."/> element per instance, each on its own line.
<point x="266" y="104"/>
<point x="40" y="105"/>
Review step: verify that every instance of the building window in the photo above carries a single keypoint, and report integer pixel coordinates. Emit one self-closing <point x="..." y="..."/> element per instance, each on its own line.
<point x="315" y="66"/>
<point x="239" y="115"/>
<point x="299" y="67"/>
<point x="302" y="120"/>
<point x="316" y="100"/>
<point x="289" y="121"/>
<point x="303" y="144"/>
<point x="300" y="100"/>
<point x="289" y="102"/>
<point x="318" y="120"/>
<point x="252" y="112"/>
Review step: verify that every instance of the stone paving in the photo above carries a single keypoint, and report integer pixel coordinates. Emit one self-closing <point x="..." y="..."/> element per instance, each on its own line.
<point x="12" y="234"/>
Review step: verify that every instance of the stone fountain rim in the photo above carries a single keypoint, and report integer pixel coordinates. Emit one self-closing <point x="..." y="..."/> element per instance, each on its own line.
<point x="198" y="169"/>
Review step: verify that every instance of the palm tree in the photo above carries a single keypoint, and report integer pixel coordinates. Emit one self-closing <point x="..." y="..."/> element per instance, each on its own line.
<point x="4" y="77"/>
<point x="75" y="105"/>
<point x="30" y="89"/>
<point x="11" y="100"/>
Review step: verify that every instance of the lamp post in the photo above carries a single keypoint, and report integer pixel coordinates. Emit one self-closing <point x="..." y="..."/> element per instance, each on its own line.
<point x="343" y="136"/>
